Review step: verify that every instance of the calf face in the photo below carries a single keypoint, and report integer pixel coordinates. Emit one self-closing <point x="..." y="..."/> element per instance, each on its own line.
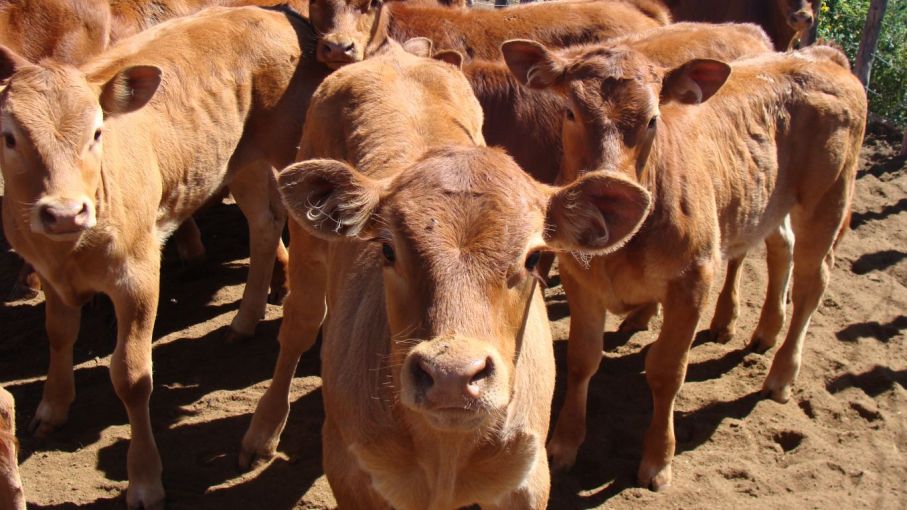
<point x="799" y="14"/>
<point x="613" y="98"/>
<point x="345" y="28"/>
<point x="11" y="495"/>
<point x="52" y="123"/>
<point x="459" y="234"/>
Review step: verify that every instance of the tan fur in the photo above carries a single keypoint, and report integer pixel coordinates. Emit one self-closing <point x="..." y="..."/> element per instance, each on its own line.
<point x="460" y="221"/>
<point x="11" y="495"/>
<point x="776" y="17"/>
<point x="780" y="137"/>
<point x="150" y="170"/>
<point x="476" y="33"/>
<point x="69" y="31"/>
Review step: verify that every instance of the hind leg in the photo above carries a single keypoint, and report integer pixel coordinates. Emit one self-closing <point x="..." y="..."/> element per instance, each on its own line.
<point x="254" y="189"/>
<point x="815" y="229"/>
<point x="724" y="322"/>
<point x="779" y="248"/>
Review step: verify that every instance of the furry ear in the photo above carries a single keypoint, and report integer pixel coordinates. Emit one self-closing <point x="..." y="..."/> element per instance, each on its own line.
<point x="533" y="64"/>
<point x="418" y="46"/>
<point x="452" y="57"/>
<point x="130" y="89"/>
<point x="695" y="81"/>
<point x="378" y="37"/>
<point x="330" y="198"/>
<point x="10" y="62"/>
<point x="597" y="214"/>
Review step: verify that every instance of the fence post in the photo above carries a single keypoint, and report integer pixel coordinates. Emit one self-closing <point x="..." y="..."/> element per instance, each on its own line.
<point x="904" y="144"/>
<point x="869" y="39"/>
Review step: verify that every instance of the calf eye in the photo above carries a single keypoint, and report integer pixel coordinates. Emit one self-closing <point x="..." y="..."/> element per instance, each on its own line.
<point x="532" y="260"/>
<point x="569" y="114"/>
<point x="652" y="122"/>
<point x="388" y="253"/>
<point x="10" y="140"/>
<point x="97" y="135"/>
<point x="374" y="4"/>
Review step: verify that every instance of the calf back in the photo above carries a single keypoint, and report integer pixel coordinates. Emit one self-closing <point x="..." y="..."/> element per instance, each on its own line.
<point x="68" y="31"/>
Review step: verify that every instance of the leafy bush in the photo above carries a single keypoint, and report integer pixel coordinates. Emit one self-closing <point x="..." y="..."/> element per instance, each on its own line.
<point x="842" y="21"/>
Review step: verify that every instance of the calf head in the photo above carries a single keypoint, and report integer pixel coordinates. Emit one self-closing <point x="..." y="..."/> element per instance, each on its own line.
<point x="613" y="97"/>
<point x="345" y="28"/>
<point x="52" y="121"/>
<point x="11" y="495"/>
<point x="457" y="238"/>
<point x="799" y="14"/>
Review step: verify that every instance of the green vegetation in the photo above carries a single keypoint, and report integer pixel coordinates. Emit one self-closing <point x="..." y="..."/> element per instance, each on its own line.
<point x="841" y="21"/>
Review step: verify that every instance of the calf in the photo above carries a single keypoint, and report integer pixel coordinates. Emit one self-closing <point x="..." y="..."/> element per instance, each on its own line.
<point x="68" y="31"/>
<point x="11" y="495"/>
<point x="785" y="21"/>
<point x="101" y="163"/>
<point x="780" y="135"/>
<point x="437" y="361"/>
<point x="353" y="29"/>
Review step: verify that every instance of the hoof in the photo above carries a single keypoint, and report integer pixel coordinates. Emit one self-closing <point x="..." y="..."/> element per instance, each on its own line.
<point x="22" y="293"/>
<point x="46" y="421"/>
<point x="148" y="497"/>
<point x="758" y="345"/>
<point x="250" y="459"/>
<point x="235" y="337"/>
<point x="277" y="295"/>
<point x="721" y="335"/>
<point x="561" y="457"/>
<point x="655" y="478"/>
<point x="780" y="394"/>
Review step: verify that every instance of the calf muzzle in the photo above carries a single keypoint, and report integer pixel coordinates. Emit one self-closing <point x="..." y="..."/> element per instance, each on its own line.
<point x="63" y="216"/>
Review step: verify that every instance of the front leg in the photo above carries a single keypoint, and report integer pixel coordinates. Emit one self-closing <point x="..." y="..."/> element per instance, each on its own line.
<point x="62" y="322"/>
<point x="130" y="370"/>
<point x="666" y="366"/>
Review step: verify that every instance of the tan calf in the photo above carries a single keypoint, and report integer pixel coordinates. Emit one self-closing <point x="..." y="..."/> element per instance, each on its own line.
<point x="437" y="361"/>
<point x="353" y="29"/>
<point x="11" y="495"/>
<point x="68" y="31"/>
<point x="779" y="134"/>
<point x="103" y="162"/>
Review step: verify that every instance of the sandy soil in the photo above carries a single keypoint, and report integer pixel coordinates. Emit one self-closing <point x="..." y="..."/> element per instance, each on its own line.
<point x="840" y="443"/>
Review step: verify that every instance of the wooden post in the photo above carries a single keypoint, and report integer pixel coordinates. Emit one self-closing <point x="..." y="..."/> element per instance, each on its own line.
<point x="869" y="39"/>
<point x="904" y="144"/>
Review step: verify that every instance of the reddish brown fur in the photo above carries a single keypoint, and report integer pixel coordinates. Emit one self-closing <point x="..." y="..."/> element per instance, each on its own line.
<point x="758" y="152"/>
<point x="476" y="33"/>
<point x="69" y="31"/>
<point x="147" y="173"/>
<point x="12" y="496"/>
<point x="775" y="16"/>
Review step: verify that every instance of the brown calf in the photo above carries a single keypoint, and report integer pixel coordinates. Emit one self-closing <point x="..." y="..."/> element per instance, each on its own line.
<point x="785" y="21"/>
<point x="353" y="29"/>
<point x="103" y="162"/>
<point x="437" y="360"/>
<point x="11" y="495"/>
<point x="69" y="31"/>
<point x="780" y="136"/>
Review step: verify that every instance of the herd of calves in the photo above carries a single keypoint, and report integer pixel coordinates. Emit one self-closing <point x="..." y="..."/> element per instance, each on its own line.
<point x="429" y="158"/>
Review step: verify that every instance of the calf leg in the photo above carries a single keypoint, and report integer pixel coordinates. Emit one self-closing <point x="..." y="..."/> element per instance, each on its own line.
<point x="779" y="256"/>
<point x="666" y="365"/>
<point x="189" y="244"/>
<point x="279" y="285"/>
<point x="27" y="284"/>
<point x="254" y="190"/>
<point x="724" y="322"/>
<point x="815" y="229"/>
<point x="304" y="311"/>
<point x="584" y="353"/>
<point x="130" y="370"/>
<point x="62" y="323"/>
<point x="638" y="319"/>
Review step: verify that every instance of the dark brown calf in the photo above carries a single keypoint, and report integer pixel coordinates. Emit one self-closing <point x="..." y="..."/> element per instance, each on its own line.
<point x="728" y="152"/>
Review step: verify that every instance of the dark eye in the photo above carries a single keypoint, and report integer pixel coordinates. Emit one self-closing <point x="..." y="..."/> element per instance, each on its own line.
<point x="532" y="260"/>
<point x="10" y="140"/>
<point x="97" y="135"/>
<point x="374" y="4"/>
<point x="652" y="122"/>
<point x="569" y="114"/>
<point x="388" y="253"/>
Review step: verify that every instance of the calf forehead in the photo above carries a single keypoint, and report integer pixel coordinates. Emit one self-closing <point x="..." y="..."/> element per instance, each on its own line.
<point x="54" y="105"/>
<point x="473" y="207"/>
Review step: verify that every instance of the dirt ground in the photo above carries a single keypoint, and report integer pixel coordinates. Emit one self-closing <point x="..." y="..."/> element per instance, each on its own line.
<point x="841" y="442"/>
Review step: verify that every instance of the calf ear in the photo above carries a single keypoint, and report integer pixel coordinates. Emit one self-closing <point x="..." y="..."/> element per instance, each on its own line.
<point x="452" y="57"/>
<point x="533" y="64"/>
<point x="695" y="81"/>
<point x="10" y="62"/>
<point x="130" y="89"/>
<point x="418" y="46"/>
<point x="330" y="198"/>
<point x="596" y="214"/>
<point x="378" y="37"/>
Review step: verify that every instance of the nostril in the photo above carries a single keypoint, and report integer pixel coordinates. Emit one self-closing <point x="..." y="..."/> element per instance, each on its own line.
<point x="421" y="372"/>
<point x="484" y="370"/>
<point x="47" y="216"/>
<point x="349" y="48"/>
